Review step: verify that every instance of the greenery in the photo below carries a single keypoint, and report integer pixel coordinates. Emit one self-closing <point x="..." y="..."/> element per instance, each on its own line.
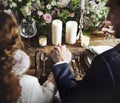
<point x="45" y="11"/>
<point x="94" y="14"/>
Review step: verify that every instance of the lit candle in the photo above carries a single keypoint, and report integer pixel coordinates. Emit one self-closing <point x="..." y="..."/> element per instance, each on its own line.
<point x="85" y="41"/>
<point x="82" y="4"/>
<point x="43" y="41"/>
<point x="56" y="32"/>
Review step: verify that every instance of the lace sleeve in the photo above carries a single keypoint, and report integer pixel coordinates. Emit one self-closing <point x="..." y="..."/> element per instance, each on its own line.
<point x="33" y="92"/>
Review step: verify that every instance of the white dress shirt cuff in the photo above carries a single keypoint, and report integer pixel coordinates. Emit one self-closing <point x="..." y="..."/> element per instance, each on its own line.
<point x="61" y="62"/>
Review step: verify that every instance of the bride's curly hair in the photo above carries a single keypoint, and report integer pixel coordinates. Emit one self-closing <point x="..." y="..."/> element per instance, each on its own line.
<point x="10" y="41"/>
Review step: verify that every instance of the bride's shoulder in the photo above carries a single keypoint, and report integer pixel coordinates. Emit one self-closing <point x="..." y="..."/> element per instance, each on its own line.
<point x="22" y="62"/>
<point x="28" y="79"/>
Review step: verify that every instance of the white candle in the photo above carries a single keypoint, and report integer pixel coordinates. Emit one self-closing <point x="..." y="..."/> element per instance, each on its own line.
<point x="82" y="4"/>
<point x="56" y="32"/>
<point x="71" y="32"/>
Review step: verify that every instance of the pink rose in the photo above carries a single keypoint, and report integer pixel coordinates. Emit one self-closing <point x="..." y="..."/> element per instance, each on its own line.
<point x="47" y="18"/>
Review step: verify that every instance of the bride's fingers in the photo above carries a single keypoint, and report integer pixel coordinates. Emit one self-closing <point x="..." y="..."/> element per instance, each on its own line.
<point x="50" y="75"/>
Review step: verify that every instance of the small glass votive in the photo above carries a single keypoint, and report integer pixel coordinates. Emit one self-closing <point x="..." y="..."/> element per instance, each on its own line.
<point x="42" y="41"/>
<point x="85" y="40"/>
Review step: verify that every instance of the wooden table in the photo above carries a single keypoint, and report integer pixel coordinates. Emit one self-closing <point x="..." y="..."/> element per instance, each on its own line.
<point x="76" y="49"/>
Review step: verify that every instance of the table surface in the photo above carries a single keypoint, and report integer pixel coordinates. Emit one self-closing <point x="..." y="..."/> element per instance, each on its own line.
<point x="76" y="49"/>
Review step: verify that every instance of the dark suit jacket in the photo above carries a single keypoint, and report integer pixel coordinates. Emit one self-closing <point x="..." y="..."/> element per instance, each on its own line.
<point x="100" y="85"/>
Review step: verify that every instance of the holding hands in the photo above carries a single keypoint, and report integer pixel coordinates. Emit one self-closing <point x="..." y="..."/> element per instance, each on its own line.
<point x="60" y="53"/>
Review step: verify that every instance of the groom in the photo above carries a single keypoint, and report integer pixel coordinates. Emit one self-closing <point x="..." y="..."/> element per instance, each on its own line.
<point x="101" y="83"/>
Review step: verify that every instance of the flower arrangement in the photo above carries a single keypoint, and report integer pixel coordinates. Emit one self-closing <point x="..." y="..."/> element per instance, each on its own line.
<point x="94" y="14"/>
<point x="44" y="11"/>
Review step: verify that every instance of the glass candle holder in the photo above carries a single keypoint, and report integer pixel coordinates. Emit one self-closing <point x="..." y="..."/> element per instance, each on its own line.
<point x="85" y="41"/>
<point x="42" y="41"/>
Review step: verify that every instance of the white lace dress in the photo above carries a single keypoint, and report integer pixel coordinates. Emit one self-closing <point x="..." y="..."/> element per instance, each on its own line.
<point x="33" y="92"/>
